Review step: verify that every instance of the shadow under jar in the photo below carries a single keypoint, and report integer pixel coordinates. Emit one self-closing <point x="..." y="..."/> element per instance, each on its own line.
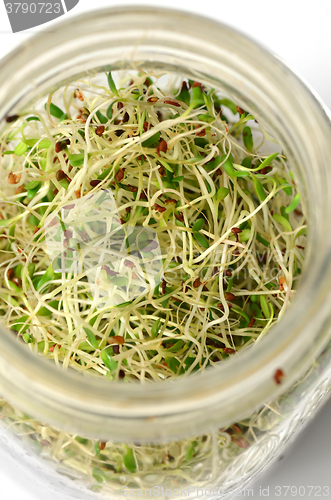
<point x="216" y="429"/>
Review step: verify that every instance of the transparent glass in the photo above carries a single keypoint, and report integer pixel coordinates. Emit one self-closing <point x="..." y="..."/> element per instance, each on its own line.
<point x="164" y="420"/>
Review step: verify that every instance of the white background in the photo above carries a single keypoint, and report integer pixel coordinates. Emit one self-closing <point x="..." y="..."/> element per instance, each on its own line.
<point x="299" y="32"/>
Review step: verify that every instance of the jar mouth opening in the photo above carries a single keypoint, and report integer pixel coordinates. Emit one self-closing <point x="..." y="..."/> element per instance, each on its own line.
<point x="289" y="344"/>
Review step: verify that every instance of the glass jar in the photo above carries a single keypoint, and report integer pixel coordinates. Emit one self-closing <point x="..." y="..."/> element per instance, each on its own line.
<point x="63" y="417"/>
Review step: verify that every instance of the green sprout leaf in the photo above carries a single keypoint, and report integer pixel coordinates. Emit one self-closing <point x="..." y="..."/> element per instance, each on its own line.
<point x="228" y="166"/>
<point x="184" y="95"/>
<point x="213" y="163"/>
<point x="197" y="98"/>
<point x="166" y="165"/>
<point x="6" y="222"/>
<point x="32" y="185"/>
<point x="201" y="240"/>
<point x="28" y="339"/>
<point x="284" y="213"/>
<point x="229" y="104"/>
<point x="198" y="225"/>
<point x="247" y="162"/>
<point x="262" y="240"/>
<point x="105" y="173"/>
<point x="284" y="222"/>
<point x="155" y="328"/>
<point x="302" y="232"/>
<point x="20" y="324"/>
<point x="287" y="188"/>
<point x="151" y="140"/>
<point x="124" y="304"/>
<point x="293" y="205"/>
<point x="98" y="475"/>
<point x="202" y="143"/>
<point x="43" y="144"/>
<point x="264" y="306"/>
<point x="240" y="173"/>
<point x="268" y="160"/>
<point x="56" y="112"/>
<point x="76" y="160"/>
<point x="222" y="192"/>
<point x="111" y="84"/>
<point x="107" y="359"/>
<point x="176" y="347"/>
<point x="241" y="312"/>
<point x="102" y="118"/>
<point x="173" y="364"/>
<point x="21" y="148"/>
<point x="48" y="276"/>
<point x="190" y="452"/>
<point x="91" y="338"/>
<point x="31" y="269"/>
<point x="259" y="188"/>
<point x="109" y="112"/>
<point x="118" y="281"/>
<point x="33" y="119"/>
<point x="129" y="460"/>
<point x="244" y="235"/>
<point x="248" y="139"/>
<point x="206" y="117"/>
<point x="44" y="311"/>
<point x="32" y="192"/>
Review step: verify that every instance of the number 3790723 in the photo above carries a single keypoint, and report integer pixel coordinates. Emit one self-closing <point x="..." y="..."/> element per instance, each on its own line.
<point x="33" y="8"/>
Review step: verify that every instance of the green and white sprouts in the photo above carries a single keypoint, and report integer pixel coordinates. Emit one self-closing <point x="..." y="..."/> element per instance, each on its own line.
<point x="110" y="466"/>
<point x="182" y="162"/>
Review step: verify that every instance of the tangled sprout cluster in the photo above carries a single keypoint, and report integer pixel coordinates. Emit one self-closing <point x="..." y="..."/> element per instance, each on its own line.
<point x="216" y="228"/>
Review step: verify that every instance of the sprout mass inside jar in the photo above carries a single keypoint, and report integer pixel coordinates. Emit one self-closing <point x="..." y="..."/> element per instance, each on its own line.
<point x="149" y="228"/>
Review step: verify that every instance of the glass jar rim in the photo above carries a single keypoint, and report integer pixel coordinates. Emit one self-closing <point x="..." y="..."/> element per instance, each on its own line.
<point x="238" y="385"/>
